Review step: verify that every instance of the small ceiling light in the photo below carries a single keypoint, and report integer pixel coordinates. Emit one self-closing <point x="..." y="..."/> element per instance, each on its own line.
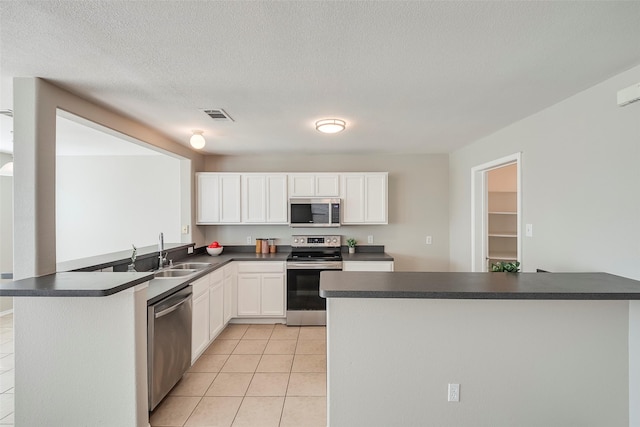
<point x="7" y="169"/>
<point x="330" y="125"/>
<point x="197" y="140"/>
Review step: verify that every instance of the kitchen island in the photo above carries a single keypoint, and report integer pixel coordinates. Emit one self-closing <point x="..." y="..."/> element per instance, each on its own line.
<point x="527" y="349"/>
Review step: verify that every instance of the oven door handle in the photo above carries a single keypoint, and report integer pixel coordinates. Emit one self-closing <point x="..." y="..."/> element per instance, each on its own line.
<point x="314" y="265"/>
<point x="171" y="309"/>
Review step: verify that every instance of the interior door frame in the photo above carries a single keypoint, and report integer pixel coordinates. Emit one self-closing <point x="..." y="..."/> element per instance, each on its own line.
<point x="479" y="205"/>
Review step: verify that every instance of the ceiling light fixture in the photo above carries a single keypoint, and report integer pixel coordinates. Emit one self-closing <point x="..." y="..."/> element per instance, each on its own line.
<point x="330" y="125"/>
<point x="197" y="140"/>
<point x="7" y="169"/>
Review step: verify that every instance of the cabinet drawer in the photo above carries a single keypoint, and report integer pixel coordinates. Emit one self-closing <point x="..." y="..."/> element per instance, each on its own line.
<point x="261" y="267"/>
<point x="216" y="276"/>
<point x="367" y="266"/>
<point x="200" y="286"/>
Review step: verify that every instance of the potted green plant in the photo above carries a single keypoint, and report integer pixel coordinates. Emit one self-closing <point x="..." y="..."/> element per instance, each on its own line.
<point x="351" y="242"/>
<point x="509" y="267"/>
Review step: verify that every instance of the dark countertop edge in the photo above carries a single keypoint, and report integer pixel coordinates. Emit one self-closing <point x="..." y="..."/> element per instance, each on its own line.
<point x="244" y="255"/>
<point x="31" y="292"/>
<point x="177" y="284"/>
<point x="460" y="285"/>
<point x="480" y="295"/>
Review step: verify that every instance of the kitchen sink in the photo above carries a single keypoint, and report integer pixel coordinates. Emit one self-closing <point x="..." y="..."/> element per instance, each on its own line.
<point x="191" y="266"/>
<point x="168" y="274"/>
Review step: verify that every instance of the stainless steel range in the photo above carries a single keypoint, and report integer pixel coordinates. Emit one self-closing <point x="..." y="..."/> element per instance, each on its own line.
<point x="309" y="256"/>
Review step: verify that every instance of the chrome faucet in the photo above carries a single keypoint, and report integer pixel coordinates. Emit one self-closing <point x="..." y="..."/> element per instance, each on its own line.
<point x="161" y="259"/>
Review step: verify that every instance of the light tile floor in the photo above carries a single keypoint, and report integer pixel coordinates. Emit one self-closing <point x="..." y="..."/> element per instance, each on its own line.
<point x="253" y="375"/>
<point x="6" y="370"/>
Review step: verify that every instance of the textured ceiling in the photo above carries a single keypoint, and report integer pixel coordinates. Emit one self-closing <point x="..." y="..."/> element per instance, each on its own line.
<point x="406" y="76"/>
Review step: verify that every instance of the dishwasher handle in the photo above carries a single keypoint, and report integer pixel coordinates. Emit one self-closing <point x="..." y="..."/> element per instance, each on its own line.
<point x="173" y="308"/>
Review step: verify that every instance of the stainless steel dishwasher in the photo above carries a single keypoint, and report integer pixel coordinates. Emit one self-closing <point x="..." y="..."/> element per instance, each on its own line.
<point x="168" y="343"/>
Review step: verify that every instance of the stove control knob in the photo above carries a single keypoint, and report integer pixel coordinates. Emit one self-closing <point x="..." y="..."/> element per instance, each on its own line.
<point x="295" y="240"/>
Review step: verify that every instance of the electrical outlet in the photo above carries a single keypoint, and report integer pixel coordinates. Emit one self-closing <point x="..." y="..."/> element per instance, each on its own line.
<point x="370" y="239"/>
<point x="248" y="240"/>
<point x="428" y="241"/>
<point x="185" y="229"/>
<point x="454" y="393"/>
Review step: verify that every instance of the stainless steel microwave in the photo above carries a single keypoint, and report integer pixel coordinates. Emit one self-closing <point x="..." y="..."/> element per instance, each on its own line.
<point x="314" y="212"/>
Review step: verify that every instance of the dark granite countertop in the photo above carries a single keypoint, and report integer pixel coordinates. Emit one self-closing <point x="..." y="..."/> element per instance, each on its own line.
<point x="161" y="288"/>
<point x="100" y="284"/>
<point x="96" y="284"/>
<point x="74" y="284"/>
<point x="543" y="286"/>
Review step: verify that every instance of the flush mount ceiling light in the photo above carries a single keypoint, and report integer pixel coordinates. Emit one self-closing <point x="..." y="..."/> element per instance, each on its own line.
<point x="197" y="140"/>
<point x="330" y="125"/>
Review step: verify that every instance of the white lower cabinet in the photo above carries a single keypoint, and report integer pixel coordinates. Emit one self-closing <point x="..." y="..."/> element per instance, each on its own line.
<point x="367" y="266"/>
<point x="249" y="289"/>
<point x="261" y="289"/>
<point x="272" y="295"/>
<point x="211" y="308"/>
<point x="249" y="294"/>
<point x="216" y="303"/>
<point x="200" y="317"/>
<point x="229" y="308"/>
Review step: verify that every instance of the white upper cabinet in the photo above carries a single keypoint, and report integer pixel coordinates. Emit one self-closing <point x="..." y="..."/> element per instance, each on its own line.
<point x="264" y="199"/>
<point x="314" y="185"/>
<point x="218" y="198"/>
<point x="364" y="198"/>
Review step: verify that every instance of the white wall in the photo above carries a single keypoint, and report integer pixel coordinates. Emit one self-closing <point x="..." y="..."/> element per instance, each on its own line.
<point x="106" y="203"/>
<point x="6" y="228"/>
<point x="35" y="105"/>
<point x="418" y="203"/>
<point x="580" y="191"/>
<point x="580" y="178"/>
<point x="6" y="218"/>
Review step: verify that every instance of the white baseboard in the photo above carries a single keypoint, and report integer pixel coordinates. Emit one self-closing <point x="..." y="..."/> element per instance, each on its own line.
<point x="259" y="321"/>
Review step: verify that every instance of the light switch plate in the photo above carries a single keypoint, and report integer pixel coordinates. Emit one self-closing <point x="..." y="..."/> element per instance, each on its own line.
<point x="454" y="393"/>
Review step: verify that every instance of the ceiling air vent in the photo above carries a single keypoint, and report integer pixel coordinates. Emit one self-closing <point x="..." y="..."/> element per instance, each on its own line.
<point x="218" y="115"/>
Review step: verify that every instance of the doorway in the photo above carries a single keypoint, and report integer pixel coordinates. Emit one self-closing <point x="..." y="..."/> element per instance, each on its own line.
<point x="496" y="213"/>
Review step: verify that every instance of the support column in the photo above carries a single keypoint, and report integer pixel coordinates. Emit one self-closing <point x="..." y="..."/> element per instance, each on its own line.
<point x="34" y="176"/>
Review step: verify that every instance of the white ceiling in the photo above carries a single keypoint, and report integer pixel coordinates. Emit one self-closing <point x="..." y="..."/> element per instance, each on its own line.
<point x="416" y="76"/>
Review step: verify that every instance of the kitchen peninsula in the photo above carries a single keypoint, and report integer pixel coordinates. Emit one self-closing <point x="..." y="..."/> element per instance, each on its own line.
<point x="526" y="349"/>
